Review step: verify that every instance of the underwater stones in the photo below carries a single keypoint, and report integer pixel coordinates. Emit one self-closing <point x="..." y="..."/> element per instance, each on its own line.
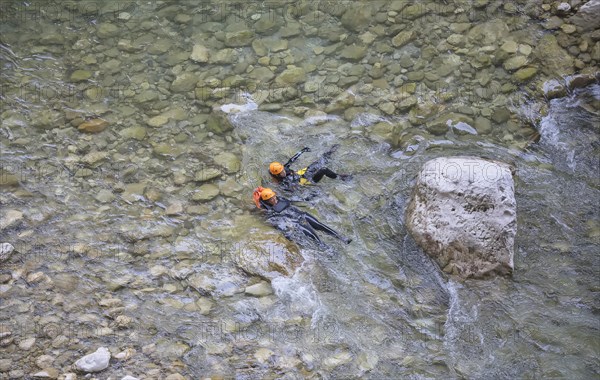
<point x="229" y="161"/>
<point x="205" y="193"/>
<point x="93" y="126"/>
<point x="509" y="47"/>
<point x="403" y="38"/>
<point x="107" y="30"/>
<point x="238" y="38"/>
<point x="261" y="289"/>
<point x="6" y="250"/>
<point x="7" y="179"/>
<point x="136" y="133"/>
<point x="488" y="33"/>
<point x="515" y="62"/>
<point x="554" y="89"/>
<point x="291" y="75"/>
<point x="268" y="256"/>
<point x="483" y="125"/>
<point x="555" y="61"/>
<point x="184" y="82"/>
<point x="525" y="74"/>
<point x="10" y="218"/>
<point x="357" y="17"/>
<point x="200" y="54"/>
<point x="579" y="80"/>
<point x="80" y="75"/>
<point x="94" y="362"/>
<point x="439" y="125"/>
<point x="354" y="52"/>
<point x="587" y="16"/>
<point x="463" y="214"/>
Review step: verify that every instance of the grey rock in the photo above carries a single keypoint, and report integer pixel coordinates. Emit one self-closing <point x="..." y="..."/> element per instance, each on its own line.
<point x="463" y="214"/>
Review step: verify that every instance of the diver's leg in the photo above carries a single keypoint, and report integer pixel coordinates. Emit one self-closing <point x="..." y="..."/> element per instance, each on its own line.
<point x="308" y="231"/>
<point x="323" y="172"/>
<point x="321" y="227"/>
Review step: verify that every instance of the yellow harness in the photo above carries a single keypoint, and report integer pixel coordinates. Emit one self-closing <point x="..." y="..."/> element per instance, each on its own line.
<point x="303" y="181"/>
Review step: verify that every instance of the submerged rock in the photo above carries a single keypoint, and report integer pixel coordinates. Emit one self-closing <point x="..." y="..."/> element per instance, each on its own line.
<point x="93" y="126"/>
<point x="94" y="362"/>
<point x="269" y="258"/>
<point x="6" y="249"/>
<point x="587" y="16"/>
<point x="463" y="213"/>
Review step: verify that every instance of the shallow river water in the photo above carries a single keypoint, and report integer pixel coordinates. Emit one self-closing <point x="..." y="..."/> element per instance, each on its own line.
<point x="126" y="190"/>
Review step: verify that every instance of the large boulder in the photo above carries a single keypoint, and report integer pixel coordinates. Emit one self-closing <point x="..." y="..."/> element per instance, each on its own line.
<point x="587" y="16"/>
<point x="463" y="214"/>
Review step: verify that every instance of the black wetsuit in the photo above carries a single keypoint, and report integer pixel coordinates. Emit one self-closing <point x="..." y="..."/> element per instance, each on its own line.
<point x="312" y="173"/>
<point x="304" y="221"/>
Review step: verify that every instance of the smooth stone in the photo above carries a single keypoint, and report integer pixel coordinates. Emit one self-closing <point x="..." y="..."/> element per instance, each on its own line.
<point x="357" y="16"/>
<point x="93" y="126"/>
<point x="80" y="75"/>
<point x="184" y="82"/>
<point x="261" y="289"/>
<point x="206" y="174"/>
<point x="510" y="47"/>
<point x="129" y="378"/>
<point x="514" y="63"/>
<point x="10" y="218"/>
<point x="229" y="161"/>
<point x="501" y="115"/>
<point x="224" y="56"/>
<point x="525" y="74"/>
<point x="174" y="208"/>
<point x="262" y="355"/>
<point x="200" y="54"/>
<point x="354" y="52"/>
<point x="568" y="28"/>
<point x="94" y="362"/>
<point x="238" y="38"/>
<point x="205" y="193"/>
<point x="105" y="196"/>
<point x="107" y="30"/>
<point x="47" y="373"/>
<point x="136" y="133"/>
<point x="587" y="16"/>
<point x="291" y="75"/>
<point x="158" y="121"/>
<point x="463" y="214"/>
<point x="8" y="179"/>
<point x="555" y="61"/>
<point x="483" y="125"/>
<point x="403" y="38"/>
<point x="6" y="250"/>
<point x="554" y="89"/>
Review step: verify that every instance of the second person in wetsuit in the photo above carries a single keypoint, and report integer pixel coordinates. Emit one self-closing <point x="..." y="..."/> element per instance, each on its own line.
<point x="267" y="199"/>
<point x="314" y="172"/>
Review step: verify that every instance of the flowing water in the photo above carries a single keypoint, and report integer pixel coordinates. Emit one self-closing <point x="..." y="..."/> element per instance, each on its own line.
<point x="142" y="238"/>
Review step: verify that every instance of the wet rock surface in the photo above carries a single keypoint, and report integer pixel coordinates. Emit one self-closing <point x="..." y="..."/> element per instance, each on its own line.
<point x="463" y="213"/>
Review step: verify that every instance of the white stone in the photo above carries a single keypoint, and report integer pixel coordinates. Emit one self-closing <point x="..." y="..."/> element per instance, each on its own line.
<point x="26" y="344"/>
<point x="94" y="362"/>
<point x="200" y="54"/>
<point x="9" y="218"/>
<point x="259" y="290"/>
<point x="129" y="378"/>
<point x="564" y="7"/>
<point x="6" y="249"/>
<point x="463" y="213"/>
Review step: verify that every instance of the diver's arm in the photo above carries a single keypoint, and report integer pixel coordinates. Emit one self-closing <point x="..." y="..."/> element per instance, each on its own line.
<point x="295" y="157"/>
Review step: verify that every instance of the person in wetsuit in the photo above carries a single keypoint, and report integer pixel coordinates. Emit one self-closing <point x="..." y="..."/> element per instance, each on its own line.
<point x="268" y="200"/>
<point x="314" y="172"/>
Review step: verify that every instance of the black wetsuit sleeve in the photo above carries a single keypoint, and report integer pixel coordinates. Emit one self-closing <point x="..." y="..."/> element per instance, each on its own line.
<point x="294" y="158"/>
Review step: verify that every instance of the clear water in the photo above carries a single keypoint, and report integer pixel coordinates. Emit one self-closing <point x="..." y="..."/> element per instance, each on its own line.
<point x="378" y="308"/>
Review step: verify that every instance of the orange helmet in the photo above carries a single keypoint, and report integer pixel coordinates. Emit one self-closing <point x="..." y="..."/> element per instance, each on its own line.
<point x="275" y="168"/>
<point x="267" y="194"/>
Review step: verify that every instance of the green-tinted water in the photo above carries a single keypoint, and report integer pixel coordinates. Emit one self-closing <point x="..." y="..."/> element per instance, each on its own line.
<point x="142" y="238"/>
